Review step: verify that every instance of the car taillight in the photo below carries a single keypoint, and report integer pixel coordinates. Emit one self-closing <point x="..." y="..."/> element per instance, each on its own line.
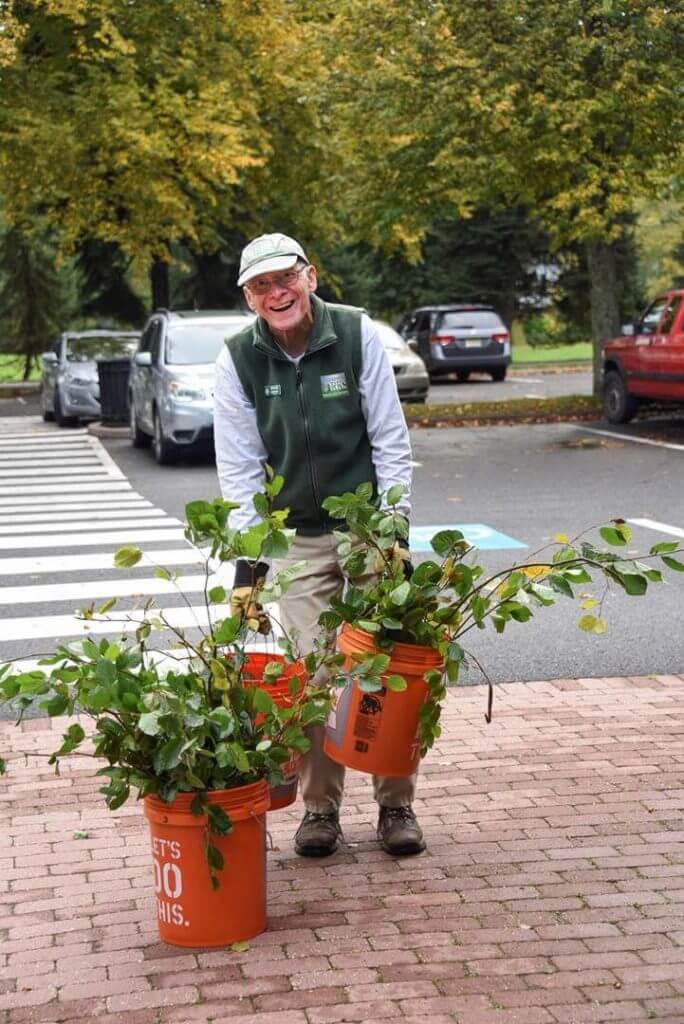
<point x="501" y="336"/>
<point x="441" y="339"/>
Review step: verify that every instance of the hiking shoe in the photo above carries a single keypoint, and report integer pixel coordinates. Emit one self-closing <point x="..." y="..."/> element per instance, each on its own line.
<point x="399" y="832"/>
<point x="318" y="834"/>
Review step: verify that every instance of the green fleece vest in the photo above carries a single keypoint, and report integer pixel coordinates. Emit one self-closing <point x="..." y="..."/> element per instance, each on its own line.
<point x="309" y="416"/>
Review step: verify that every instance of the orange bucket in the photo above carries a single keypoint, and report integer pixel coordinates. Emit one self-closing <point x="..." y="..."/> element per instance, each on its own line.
<point x="378" y="732"/>
<point x="189" y="911"/>
<point x="253" y="674"/>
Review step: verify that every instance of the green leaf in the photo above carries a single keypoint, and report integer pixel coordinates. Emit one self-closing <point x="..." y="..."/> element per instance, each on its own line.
<point x="214" y="857"/>
<point x="560" y="585"/>
<point x="107" y="606"/>
<point x="396" y="683"/>
<point x="217" y="595"/>
<point x="634" y="583"/>
<point x="667" y="546"/>
<point x="613" y="536"/>
<point x="368" y="626"/>
<point x="263" y="701"/>
<point x="127" y="557"/>
<point x="276" y="545"/>
<point x="394" y="494"/>
<point x="168" y="756"/>
<point x="57" y="705"/>
<point x="105" y="672"/>
<point x="370" y="684"/>
<point x="149" y="723"/>
<point x="445" y="540"/>
<point x="240" y="947"/>
<point x="161" y="573"/>
<point x="391" y="623"/>
<point x="227" y="630"/>
<point x="672" y="563"/>
<point x="400" y="594"/>
<point x="273" y="671"/>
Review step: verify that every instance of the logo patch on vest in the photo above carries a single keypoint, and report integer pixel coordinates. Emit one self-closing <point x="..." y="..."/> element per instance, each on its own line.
<point x="272" y="390"/>
<point x="334" y="385"/>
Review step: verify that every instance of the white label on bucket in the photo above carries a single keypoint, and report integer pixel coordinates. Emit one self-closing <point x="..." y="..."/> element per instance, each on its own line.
<point x="168" y="881"/>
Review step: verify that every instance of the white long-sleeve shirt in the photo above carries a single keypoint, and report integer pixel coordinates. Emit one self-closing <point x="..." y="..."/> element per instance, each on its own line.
<point x="240" y="452"/>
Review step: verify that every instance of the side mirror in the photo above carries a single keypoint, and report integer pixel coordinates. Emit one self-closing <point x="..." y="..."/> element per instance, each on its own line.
<point x="412" y="343"/>
<point x="142" y="358"/>
<point x="628" y="330"/>
<point x="49" y="357"/>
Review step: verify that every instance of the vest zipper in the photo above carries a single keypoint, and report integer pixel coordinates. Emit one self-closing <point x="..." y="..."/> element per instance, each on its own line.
<point x="309" y="450"/>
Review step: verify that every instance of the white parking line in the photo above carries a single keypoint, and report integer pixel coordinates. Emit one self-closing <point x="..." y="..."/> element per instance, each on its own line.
<point x="653" y="524"/>
<point x="625" y="437"/>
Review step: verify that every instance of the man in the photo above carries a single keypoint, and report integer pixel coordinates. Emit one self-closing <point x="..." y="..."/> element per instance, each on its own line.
<point x="308" y="389"/>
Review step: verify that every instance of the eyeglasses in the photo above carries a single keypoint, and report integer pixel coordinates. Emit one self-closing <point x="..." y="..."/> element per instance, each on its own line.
<point x="263" y="285"/>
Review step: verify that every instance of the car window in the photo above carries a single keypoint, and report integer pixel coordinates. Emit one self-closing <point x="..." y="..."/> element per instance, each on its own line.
<point x="651" y="318"/>
<point x="462" y="319"/>
<point x="148" y="336"/>
<point x="155" y="340"/>
<point x="194" y="344"/>
<point x="83" y="350"/>
<point x="408" y="326"/>
<point x="670" y="315"/>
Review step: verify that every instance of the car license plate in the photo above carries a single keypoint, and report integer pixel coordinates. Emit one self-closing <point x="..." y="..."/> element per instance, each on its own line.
<point x="473" y="342"/>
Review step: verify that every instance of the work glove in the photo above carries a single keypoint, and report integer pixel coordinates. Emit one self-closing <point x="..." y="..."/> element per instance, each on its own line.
<point x="244" y="599"/>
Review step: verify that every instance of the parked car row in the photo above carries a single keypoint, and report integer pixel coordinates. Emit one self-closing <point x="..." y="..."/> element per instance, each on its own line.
<point x="171" y="382"/>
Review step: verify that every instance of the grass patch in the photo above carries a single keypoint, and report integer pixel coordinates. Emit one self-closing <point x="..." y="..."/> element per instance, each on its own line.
<point x="515" y="410"/>
<point x="12" y="369"/>
<point x="577" y="353"/>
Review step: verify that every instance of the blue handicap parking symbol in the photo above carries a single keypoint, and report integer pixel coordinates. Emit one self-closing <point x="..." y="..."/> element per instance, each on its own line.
<point x="478" y="534"/>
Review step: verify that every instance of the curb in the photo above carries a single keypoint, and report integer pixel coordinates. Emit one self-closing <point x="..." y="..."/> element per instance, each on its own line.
<point x="16" y="389"/>
<point x="98" y="429"/>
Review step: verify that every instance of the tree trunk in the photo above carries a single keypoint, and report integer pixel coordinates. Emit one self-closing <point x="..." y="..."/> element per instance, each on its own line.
<point x="28" y="360"/>
<point x="604" y="300"/>
<point x="159" y="282"/>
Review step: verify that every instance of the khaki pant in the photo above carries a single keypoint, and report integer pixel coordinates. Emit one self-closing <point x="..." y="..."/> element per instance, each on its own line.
<point x="322" y="780"/>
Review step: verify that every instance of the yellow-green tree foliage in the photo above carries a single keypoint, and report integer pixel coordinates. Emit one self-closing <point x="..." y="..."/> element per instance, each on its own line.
<point x="145" y="122"/>
<point x="571" y="108"/>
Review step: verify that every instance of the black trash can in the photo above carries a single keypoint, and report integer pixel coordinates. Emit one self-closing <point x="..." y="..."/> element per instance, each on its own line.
<point x="114" y="407"/>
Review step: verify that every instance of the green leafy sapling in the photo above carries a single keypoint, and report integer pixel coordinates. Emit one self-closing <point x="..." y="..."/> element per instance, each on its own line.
<point x="451" y="594"/>
<point x="188" y="721"/>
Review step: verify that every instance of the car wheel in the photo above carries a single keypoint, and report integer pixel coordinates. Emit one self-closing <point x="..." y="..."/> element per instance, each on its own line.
<point x="48" y="414"/>
<point x="499" y="373"/>
<point x="62" y="420"/>
<point x="165" y="451"/>
<point x="139" y="439"/>
<point x="618" y="405"/>
<point x="462" y="376"/>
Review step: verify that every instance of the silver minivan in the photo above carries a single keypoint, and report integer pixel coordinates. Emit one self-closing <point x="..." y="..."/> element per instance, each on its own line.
<point x="171" y="389"/>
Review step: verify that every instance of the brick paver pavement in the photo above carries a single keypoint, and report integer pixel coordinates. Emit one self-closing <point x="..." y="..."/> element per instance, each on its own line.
<point x="552" y="891"/>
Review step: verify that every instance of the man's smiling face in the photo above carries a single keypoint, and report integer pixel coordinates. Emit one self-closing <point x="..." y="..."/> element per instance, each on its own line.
<point x="284" y="307"/>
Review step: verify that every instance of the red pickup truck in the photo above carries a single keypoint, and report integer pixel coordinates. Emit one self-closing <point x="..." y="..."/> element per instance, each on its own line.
<point x="647" y="360"/>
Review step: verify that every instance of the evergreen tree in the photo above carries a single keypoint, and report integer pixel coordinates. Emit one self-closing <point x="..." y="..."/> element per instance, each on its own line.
<point x="38" y="298"/>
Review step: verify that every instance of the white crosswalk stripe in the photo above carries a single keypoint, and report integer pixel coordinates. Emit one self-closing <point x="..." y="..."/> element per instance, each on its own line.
<point x="60" y="492"/>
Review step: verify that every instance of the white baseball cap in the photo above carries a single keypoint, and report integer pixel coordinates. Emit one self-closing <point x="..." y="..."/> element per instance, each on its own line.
<point x="269" y="253"/>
